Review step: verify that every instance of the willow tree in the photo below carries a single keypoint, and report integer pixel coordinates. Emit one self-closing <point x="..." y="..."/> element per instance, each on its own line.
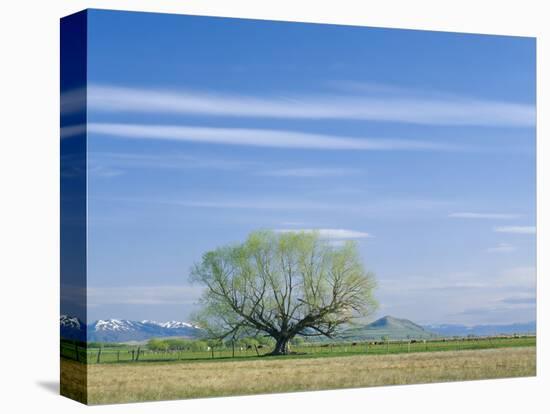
<point x="282" y="285"/>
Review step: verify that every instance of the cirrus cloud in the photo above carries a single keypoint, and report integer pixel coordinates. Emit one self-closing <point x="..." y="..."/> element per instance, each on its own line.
<point x="502" y="248"/>
<point x="261" y="138"/>
<point x="448" y="110"/>
<point x="516" y="229"/>
<point x="342" y="234"/>
<point x="488" y="216"/>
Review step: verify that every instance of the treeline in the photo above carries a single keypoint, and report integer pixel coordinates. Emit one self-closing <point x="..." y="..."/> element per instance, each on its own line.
<point x="182" y="344"/>
<point x="197" y="345"/>
<point x="106" y="345"/>
<point x="176" y="344"/>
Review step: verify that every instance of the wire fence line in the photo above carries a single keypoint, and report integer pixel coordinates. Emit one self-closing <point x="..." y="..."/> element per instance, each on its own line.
<point x="78" y="351"/>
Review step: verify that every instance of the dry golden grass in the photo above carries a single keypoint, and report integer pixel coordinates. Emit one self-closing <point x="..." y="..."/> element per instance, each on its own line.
<point x="112" y="383"/>
<point x="73" y="382"/>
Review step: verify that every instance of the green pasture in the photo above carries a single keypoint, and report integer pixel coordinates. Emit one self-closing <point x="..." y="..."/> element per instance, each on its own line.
<point x="104" y="353"/>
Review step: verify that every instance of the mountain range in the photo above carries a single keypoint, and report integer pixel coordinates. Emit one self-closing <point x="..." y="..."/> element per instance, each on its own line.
<point x="121" y="330"/>
<point x="72" y="328"/>
<point x="448" y="330"/>
<point x="387" y="327"/>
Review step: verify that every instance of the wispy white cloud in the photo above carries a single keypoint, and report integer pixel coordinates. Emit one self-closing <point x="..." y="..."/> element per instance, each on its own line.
<point x="449" y="283"/>
<point x="293" y="223"/>
<point x="382" y="89"/>
<point x="501" y="311"/>
<point x="73" y="294"/>
<point x="103" y="171"/>
<point x="488" y="216"/>
<point x="310" y="172"/>
<point x="256" y="204"/>
<point x="374" y="208"/>
<point x="520" y="300"/>
<point x="262" y="138"/>
<point x="167" y="160"/>
<point x="516" y="229"/>
<point x="261" y="203"/>
<point x="393" y="108"/>
<point x="339" y="234"/>
<point x="70" y="131"/>
<point x="111" y="164"/>
<point x="498" y="295"/>
<point x="519" y="276"/>
<point x="502" y="248"/>
<point x="143" y="295"/>
<point x="73" y="101"/>
<point x="502" y="282"/>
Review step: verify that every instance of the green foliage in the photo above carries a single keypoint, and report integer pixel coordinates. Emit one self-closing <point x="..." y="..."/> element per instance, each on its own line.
<point x="265" y="340"/>
<point x="302" y="349"/>
<point x="104" y="345"/>
<point x="157" y="345"/>
<point x="298" y="341"/>
<point x="282" y="285"/>
<point x="248" y="342"/>
<point x="177" y="344"/>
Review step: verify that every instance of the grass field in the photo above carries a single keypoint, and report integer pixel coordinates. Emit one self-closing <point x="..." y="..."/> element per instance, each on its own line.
<point x="146" y="381"/>
<point x="127" y="354"/>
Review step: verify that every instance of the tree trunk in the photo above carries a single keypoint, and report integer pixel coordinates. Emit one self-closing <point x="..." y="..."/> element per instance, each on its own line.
<point x="281" y="346"/>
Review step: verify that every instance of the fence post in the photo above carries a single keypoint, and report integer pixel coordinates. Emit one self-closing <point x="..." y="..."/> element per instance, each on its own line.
<point x="137" y="353"/>
<point x="118" y="356"/>
<point x="76" y="351"/>
<point x="99" y="356"/>
<point x="256" y="348"/>
<point x="133" y="354"/>
<point x="233" y="348"/>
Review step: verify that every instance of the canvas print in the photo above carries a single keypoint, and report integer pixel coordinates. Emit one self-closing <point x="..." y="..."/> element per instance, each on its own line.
<point x="253" y="206"/>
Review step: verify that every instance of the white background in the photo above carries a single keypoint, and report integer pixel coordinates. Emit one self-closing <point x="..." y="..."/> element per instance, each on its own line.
<point x="29" y="206"/>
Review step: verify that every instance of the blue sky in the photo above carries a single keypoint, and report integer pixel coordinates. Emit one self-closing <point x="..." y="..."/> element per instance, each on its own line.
<point x="418" y="145"/>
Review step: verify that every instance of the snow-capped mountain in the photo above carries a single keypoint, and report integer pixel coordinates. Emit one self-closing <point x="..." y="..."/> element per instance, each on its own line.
<point x="70" y="322"/>
<point x="122" y="330"/>
<point x="113" y="325"/>
<point x="72" y="328"/>
<point x="176" y="325"/>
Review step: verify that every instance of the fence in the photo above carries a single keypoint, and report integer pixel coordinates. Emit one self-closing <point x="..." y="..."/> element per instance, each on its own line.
<point x="127" y="354"/>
